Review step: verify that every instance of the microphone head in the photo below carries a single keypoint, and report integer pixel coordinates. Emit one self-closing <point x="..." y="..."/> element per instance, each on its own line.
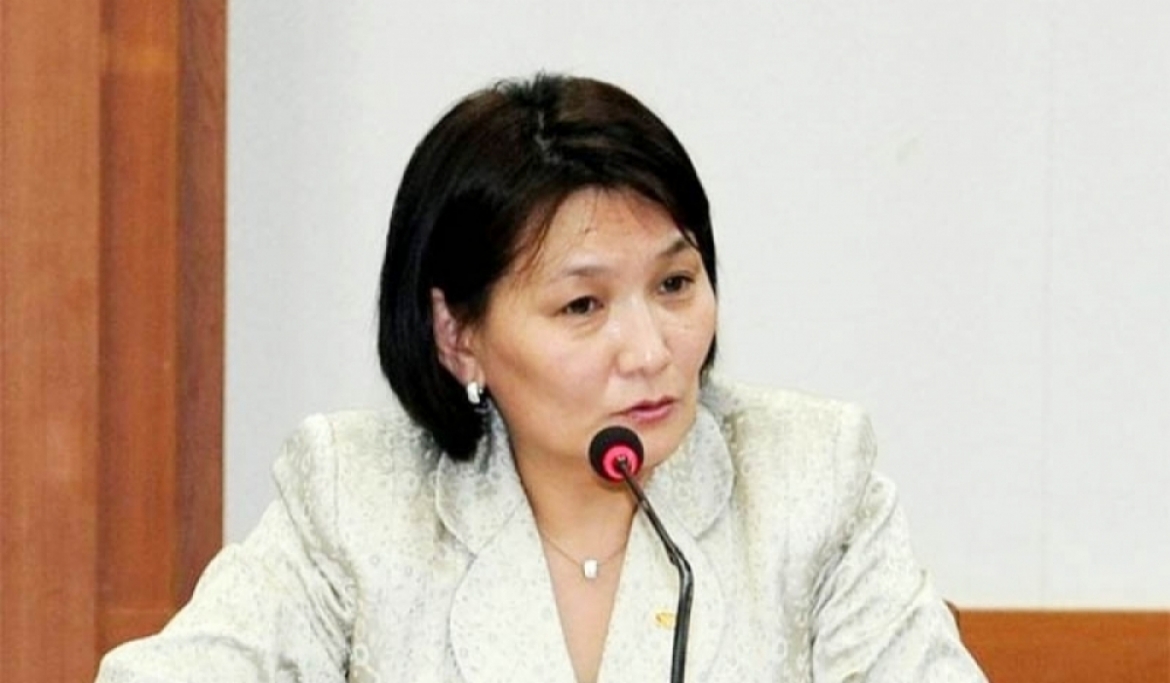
<point x="614" y="445"/>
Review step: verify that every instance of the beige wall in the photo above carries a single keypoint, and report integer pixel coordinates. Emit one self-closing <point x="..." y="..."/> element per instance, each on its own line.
<point x="952" y="213"/>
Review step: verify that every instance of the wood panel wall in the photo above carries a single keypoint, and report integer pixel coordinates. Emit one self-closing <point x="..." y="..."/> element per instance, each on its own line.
<point x="1069" y="646"/>
<point x="111" y="319"/>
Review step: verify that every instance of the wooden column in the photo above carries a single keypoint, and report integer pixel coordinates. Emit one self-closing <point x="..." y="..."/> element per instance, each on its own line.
<point x="50" y="232"/>
<point x="111" y="319"/>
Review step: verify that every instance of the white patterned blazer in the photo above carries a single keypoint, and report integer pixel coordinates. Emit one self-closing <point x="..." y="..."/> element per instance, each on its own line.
<point x="383" y="561"/>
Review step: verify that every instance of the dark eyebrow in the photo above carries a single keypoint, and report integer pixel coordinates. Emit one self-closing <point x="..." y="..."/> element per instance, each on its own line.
<point x="581" y="272"/>
<point x="678" y="246"/>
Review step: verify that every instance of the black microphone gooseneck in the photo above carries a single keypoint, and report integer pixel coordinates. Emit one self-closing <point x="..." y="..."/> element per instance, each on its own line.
<point x="616" y="455"/>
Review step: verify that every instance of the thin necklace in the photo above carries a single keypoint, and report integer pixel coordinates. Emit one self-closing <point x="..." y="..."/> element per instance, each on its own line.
<point x="590" y="566"/>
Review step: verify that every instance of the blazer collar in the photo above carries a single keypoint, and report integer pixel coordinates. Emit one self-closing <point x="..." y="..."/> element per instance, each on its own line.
<point x="475" y="499"/>
<point x="504" y="623"/>
<point x="695" y="483"/>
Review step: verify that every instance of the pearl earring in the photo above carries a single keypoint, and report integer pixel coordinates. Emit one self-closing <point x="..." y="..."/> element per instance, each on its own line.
<point x="474" y="394"/>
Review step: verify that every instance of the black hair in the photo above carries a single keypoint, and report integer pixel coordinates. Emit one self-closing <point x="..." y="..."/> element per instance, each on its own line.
<point x="483" y="186"/>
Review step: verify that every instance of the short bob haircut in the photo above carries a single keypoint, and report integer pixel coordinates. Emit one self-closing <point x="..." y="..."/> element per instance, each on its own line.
<point x="481" y="188"/>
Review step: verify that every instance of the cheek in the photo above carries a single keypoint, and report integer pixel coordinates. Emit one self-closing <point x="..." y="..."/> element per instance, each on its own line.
<point x="546" y="367"/>
<point x="696" y="331"/>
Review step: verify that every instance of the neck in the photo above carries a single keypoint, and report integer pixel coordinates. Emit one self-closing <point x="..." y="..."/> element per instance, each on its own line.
<point x="575" y="507"/>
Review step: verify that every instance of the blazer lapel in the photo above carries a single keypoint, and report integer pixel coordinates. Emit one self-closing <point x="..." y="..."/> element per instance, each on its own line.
<point x="503" y="624"/>
<point x="640" y="643"/>
<point x="689" y="492"/>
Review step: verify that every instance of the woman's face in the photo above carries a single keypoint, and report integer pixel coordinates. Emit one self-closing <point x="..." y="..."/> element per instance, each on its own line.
<point x="608" y="322"/>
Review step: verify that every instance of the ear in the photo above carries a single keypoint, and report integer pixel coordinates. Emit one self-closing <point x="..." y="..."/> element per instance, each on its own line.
<point x="452" y="340"/>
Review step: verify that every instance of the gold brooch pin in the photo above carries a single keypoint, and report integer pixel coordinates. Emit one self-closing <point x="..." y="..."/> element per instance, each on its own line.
<point x="664" y="619"/>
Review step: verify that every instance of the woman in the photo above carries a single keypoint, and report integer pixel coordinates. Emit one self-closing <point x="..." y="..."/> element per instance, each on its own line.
<point x="549" y="272"/>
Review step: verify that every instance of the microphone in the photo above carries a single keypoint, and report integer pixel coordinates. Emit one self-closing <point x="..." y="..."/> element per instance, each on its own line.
<point x="616" y="455"/>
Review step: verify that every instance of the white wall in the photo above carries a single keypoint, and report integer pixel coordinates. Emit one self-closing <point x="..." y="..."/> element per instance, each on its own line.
<point x="957" y="214"/>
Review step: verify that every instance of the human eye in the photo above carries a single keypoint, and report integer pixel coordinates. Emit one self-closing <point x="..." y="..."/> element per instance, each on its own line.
<point x="581" y="306"/>
<point x="677" y="283"/>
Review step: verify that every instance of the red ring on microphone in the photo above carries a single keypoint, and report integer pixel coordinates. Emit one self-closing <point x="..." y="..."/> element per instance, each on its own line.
<point x="616" y="454"/>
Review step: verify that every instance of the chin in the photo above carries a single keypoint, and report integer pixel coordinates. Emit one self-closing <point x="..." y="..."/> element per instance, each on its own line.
<point x="661" y="443"/>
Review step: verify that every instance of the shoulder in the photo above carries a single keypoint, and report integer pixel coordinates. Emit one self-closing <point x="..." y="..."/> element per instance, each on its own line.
<point x="786" y="424"/>
<point x="384" y="439"/>
<point x="800" y="457"/>
<point x="343" y="467"/>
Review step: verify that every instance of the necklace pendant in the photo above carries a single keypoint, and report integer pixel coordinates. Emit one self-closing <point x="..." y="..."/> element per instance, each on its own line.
<point x="589" y="568"/>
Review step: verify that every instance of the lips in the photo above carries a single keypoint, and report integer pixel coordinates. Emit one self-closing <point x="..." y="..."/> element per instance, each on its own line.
<point x="647" y="412"/>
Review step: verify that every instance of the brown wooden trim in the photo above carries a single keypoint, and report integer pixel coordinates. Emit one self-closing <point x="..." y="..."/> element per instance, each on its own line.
<point x="49" y="295"/>
<point x="139" y="308"/>
<point x="123" y="624"/>
<point x="1069" y="646"/>
<point x="111" y="321"/>
<point x="202" y="35"/>
<point x="162" y="332"/>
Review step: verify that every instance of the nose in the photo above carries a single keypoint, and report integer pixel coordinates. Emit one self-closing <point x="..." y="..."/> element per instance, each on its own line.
<point x="642" y="342"/>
